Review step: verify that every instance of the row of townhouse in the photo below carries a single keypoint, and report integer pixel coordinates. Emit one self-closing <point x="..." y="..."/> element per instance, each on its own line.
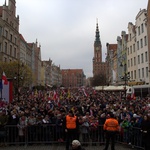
<point x="128" y="60"/>
<point x="13" y="47"/>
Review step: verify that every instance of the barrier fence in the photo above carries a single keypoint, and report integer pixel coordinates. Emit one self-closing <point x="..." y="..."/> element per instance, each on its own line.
<point x="50" y="134"/>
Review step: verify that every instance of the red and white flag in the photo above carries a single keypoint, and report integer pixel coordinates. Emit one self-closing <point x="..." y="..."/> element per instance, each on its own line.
<point x="85" y="93"/>
<point x="4" y="79"/>
<point x="133" y="94"/>
<point x="7" y="92"/>
<point x="55" y="96"/>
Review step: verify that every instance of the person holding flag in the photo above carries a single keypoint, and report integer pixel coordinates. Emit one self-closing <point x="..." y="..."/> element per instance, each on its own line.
<point x="4" y="79"/>
<point x="6" y="89"/>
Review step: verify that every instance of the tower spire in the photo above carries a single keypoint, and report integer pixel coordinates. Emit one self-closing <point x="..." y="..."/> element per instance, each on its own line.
<point x="97" y="36"/>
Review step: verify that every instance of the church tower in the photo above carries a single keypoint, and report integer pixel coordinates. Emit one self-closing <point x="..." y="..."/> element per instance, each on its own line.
<point x="99" y="67"/>
<point x="97" y="59"/>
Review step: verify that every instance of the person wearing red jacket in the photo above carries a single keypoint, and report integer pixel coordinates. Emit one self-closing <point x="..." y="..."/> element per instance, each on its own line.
<point x="111" y="127"/>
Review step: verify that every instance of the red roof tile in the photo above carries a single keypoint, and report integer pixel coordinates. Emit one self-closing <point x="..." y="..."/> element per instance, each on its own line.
<point x="30" y="44"/>
<point x="112" y="46"/>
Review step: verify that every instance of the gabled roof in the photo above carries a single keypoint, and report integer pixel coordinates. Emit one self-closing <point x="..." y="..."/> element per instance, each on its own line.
<point x="30" y="44"/>
<point x="22" y="38"/>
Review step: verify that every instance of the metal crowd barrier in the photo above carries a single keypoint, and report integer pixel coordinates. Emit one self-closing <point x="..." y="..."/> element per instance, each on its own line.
<point x="51" y="134"/>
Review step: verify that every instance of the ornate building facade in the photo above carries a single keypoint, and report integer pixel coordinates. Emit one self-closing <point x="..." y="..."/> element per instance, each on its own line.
<point x="9" y="32"/>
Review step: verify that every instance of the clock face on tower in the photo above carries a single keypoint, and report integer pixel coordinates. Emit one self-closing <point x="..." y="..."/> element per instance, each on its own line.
<point x="97" y="48"/>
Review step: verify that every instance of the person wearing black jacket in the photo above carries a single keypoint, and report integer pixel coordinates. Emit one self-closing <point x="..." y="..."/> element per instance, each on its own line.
<point x="145" y="129"/>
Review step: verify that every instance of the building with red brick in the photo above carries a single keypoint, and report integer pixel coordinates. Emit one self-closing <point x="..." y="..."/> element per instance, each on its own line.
<point x="73" y="77"/>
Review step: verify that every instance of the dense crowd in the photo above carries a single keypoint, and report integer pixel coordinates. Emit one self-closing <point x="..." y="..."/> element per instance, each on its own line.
<point x="92" y="108"/>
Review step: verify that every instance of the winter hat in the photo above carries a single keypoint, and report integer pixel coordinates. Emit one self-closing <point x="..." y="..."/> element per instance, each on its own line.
<point x="76" y="143"/>
<point x="135" y="115"/>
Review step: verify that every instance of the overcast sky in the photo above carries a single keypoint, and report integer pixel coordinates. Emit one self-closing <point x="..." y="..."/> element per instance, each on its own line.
<point x="66" y="28"/>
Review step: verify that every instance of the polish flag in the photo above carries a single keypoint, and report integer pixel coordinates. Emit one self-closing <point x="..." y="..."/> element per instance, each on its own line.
<point x="7" y="92"/>
<point x="55" y="95"/>
<point x="4" y="79"/>
<point x="85" y="93"/>
<point x="132" y="94"/>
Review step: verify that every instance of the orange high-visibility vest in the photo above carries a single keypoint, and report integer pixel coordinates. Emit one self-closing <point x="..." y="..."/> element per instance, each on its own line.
<point x="111" y="124"/>
<point x="71" y="122"/>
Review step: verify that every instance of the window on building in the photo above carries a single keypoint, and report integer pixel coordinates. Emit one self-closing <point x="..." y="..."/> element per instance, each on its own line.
<point x="146" y="71"/>
<point x="137" y="45"/>
<point x="134" y="61"/>
<point x="11" y="37"/>
<point x="6" y="33"/>
<point x="142" y="58"/>
<point x="131" y="62"/>
<point x="134" y="74"/>
<point x="15" y="40"/>
<point x="11" y="23"/>
<point x="146" y="57"/>
<point x="145" y="40"/>
<point x="131" y="74"/>
<point x="138" y="59"/>
<point x="0" y="47"/>
<point x="0" y="31"/>
<point x="10" y="50"/>
<point x="5" y="50"/>
<point x="130" y="49"/>
<point x="142" y="28"/>
<point x="128" y="63"/>
<point x="15" y="52"/>
<point x="141" y="41"/>
<point x="142" y="72"/>
<point x="139" y="30"/>
<point x="139" y="73"/>
<point x="133" y="47"/>
<point x="130" y="36"/>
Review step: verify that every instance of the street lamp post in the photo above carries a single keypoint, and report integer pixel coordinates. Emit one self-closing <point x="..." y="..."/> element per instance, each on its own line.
<point x="126" y="77"/>
<point x="17" y="78"/>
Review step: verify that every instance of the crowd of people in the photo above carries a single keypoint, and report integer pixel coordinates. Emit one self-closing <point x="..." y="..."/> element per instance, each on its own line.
<point x="91" y="107"/>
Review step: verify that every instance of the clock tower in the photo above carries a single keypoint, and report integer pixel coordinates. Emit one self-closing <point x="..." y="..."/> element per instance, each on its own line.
<point x="97" y="59"/>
